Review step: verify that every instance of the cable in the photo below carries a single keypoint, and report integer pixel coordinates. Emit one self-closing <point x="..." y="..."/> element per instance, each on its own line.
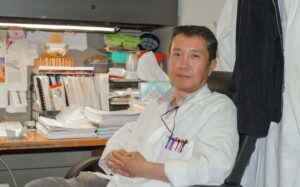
<point x="11" y="174"/>
<point x="168" y="113"/>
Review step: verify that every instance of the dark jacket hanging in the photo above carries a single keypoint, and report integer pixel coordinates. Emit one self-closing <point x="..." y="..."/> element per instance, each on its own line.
<point x="258" y="72"/>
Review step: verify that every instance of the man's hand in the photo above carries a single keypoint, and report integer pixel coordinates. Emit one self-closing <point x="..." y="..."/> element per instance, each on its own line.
<point x="116" y="164"/>
<point x="135" y="163"/>
<point x="138" y="166"/>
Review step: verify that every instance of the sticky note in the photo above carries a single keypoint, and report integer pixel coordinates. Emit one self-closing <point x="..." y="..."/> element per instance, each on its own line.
<point x="56" y="38"/>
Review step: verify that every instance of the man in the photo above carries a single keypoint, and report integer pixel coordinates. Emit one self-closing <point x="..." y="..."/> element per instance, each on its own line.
<point x="187" y="137"/>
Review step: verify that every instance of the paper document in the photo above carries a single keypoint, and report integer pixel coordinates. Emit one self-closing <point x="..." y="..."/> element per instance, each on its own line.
<point x="15" y="35"/>
<point x="16" y="60"/>
<point x="36" y="39"/>
<point x="3" y="35"/>
<point x="124" y="92"/>
<point x="53" y="124"/>
<point x="2" y="58"/>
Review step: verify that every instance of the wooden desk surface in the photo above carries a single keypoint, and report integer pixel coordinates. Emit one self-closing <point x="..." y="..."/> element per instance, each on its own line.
<point x="34" y="140"/>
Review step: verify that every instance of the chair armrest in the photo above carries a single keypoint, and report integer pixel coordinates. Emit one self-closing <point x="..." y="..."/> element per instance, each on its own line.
<point x="84" y="165"/>
<point x="205" y="186"/>
<point x="223" y="185"/>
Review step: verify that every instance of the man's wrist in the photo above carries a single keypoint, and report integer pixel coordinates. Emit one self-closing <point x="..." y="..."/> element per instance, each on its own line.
<point x="146" y="169"/>
<point x="153" y="170"/>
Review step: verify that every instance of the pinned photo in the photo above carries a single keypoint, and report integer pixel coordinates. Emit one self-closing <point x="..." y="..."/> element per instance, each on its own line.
<point x="2" y="70"/>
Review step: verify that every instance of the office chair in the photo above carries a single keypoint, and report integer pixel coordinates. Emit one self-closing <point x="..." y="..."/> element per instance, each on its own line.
<point x="220" y="82"/>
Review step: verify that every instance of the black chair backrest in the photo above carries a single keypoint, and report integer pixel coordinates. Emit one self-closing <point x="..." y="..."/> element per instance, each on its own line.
<point x="220" y="82"/>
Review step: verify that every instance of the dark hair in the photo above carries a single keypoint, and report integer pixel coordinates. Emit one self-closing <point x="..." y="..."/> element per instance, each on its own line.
<point x="200" y="31"/>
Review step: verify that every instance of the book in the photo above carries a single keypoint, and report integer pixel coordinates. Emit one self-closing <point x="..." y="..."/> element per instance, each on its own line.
<point x="39" y="93"/>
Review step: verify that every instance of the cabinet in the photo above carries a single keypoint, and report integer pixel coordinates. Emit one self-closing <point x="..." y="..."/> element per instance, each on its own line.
<point x="123" y="13"/>
<point x="28" y="166"/>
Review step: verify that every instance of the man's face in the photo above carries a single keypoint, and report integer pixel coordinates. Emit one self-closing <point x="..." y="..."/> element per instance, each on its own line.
<point x="189" y="65"/>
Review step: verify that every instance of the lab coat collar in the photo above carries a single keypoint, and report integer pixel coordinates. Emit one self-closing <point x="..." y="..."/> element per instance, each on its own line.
<point x="194" y="96"/>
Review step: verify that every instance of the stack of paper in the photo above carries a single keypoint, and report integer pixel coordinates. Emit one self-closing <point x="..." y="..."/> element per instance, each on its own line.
<point x="109" y="121"/>
<point x="123" y="96"/>
<point x="110" y="118"/>
<point x="90" y="123"/>
<point x="54" y="129"/>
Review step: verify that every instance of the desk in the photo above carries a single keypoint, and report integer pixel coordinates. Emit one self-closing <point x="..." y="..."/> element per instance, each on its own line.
<point x="35" y="156"/>
<point x="34" y="140"/>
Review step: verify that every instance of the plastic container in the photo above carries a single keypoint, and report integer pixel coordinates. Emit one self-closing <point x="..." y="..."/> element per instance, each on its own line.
<point x="118" y="57"/>
<point x="131" y="66"/>
<point x="132" y="61"/>
<point x="53" y="50"/>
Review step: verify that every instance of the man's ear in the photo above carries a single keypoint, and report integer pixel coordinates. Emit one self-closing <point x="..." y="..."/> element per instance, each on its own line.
<point x="212" y="66"/>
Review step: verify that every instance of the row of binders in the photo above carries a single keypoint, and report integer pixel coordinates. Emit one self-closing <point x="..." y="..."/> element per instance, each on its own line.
<point x="54" y="92"/>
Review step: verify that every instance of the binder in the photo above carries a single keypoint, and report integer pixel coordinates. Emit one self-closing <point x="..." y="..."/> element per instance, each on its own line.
<point x="40" y="93"/>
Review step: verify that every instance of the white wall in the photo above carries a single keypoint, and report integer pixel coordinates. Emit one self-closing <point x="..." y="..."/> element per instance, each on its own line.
<point x="192" y="12"/>
<point x="200" y="12"/>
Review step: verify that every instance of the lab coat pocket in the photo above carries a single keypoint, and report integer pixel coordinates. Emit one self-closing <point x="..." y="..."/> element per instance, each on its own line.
<point x="178" y="148"/>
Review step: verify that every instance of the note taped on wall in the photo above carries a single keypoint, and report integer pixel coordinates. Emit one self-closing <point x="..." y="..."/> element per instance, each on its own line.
<point x="2" y="70"/>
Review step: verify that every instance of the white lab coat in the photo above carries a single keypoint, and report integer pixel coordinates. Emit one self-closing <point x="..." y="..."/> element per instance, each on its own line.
<point x="289" y="145"/>
<point x="226" y="34"/>
<point x="207" y="120"/>
<point x="276" y="160"/>
<point x="291" y="25"/>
